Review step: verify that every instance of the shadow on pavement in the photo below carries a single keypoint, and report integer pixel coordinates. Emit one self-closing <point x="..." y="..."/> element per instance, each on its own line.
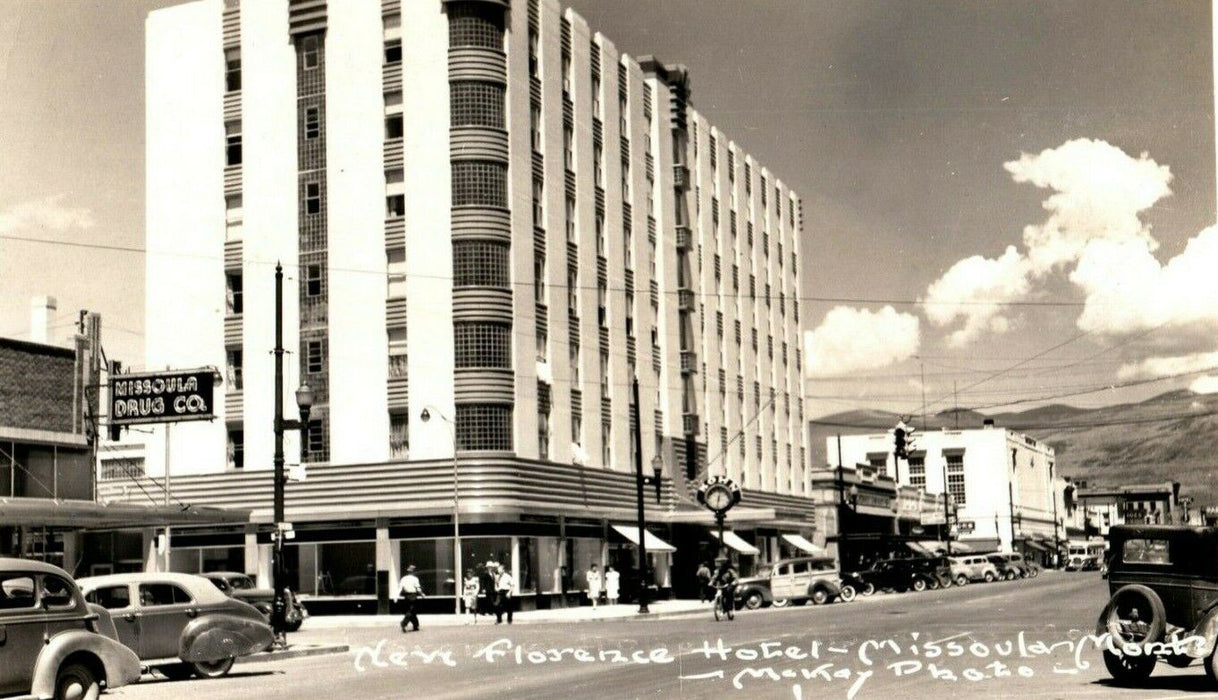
<point x="157" y="679"/>
<point x="1191" y="683"/>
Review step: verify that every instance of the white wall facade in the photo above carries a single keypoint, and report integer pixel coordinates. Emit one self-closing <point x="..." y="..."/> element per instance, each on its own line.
<point x="1005" y="474"/>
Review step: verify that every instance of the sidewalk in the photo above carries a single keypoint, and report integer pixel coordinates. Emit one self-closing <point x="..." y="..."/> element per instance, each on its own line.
<point x="659" y="610"/>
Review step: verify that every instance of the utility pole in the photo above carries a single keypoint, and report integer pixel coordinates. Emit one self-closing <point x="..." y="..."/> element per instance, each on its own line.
<point x="638" y="486"/>
<point x="956" y="401"/>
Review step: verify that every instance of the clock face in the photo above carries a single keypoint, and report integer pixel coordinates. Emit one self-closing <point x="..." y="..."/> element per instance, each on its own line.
<point x="718" y="497"/>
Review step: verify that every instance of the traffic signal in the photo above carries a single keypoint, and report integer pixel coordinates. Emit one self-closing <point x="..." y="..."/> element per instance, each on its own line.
<point x="898" y="443"/>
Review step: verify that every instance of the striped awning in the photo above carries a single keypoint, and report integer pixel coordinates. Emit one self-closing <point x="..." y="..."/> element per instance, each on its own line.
<point x="655" y="545"/>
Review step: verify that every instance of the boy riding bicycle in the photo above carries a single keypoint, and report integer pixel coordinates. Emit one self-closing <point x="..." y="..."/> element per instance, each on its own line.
<point x="724" y="580"/>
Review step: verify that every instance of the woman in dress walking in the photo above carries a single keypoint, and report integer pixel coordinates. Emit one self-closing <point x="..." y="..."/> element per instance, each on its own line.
<point x="613" y="583"/>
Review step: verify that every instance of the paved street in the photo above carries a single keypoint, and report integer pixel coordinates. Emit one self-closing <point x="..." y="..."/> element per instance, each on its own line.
<point x="1000" y="640"/>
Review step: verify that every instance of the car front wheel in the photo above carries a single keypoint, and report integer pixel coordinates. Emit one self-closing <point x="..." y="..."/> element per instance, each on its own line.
<point x="1130" y="669"/>
<point x="848" y="593"/>
<point x="989" y="577"/>
<point x="753" y="600"/>
<point x="76" y="681"/>
<point x="961" y="580"/>
<point x="919" y="585"/>
<point x="868" y="588"/>
<point x="213" y="669"/>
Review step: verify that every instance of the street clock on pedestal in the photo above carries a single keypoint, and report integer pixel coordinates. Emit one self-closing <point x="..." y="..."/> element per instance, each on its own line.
<point x="719" y="494"/>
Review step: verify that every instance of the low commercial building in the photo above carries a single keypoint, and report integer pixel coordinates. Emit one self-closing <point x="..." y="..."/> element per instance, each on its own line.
<point x="1005" y="492"/>
<point x="1132" y="504"/>
<point x="48" y="430"/>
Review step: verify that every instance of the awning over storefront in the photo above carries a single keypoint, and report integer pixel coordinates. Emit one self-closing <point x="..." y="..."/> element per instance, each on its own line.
<point x="985" y="544"/>
<point x="927" y="547"/>
<point x="734" y="541"/>
<point x="962" y="547"/>
<point x="1033" y="544"/>
<point x="655" y="545"/>
<point x="802" y="544"/>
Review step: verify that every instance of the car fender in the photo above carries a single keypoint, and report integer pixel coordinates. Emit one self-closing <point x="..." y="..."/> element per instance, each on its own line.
<point x="833" y="588"/>
<point x="215" y="637"/>
<point x="1207" y="629"/>
<point x="121" y="664"/>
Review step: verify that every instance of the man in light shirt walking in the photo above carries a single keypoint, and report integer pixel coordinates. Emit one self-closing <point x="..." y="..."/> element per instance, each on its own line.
<point x="504" y="600"/>
<point x="411" y="590"/>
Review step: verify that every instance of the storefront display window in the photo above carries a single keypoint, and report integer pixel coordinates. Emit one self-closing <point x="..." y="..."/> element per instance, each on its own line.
<point x="346" y="568"/>
<point x="433" y="562"/>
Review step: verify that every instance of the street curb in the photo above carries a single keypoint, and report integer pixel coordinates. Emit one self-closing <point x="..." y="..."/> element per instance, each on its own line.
<point x="650" y="617"/>
<point x="298" y="653"/>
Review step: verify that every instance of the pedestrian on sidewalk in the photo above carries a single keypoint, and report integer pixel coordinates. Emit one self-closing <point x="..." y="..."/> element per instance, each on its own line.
<point x="504" y="600"/>
<point x="613" y="584"/>
<point x="411" y="590"/>
<point x="593" y="577"/>
<point x="470" y="593"/>
<point x="704" y="579"/>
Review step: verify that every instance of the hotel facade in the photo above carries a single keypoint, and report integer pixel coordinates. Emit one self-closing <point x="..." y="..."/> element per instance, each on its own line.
<point x="486" y="212"/>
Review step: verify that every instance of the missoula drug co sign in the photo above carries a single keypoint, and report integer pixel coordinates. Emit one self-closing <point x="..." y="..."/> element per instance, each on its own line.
<point x="162" y="397"/>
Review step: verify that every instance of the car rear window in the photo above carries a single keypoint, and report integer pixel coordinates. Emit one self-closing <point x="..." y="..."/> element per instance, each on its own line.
<point x="241" y="583"/>
<point x="152" y="594"/>
<point x="1145" y="551"/>
<point x="111" y="597"/>
<point x="16" y="591"/>
<point x="57" y="593"/>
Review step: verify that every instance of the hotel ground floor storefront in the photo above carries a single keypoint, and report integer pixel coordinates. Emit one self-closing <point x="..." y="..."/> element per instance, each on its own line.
<point x="355" y="529"/>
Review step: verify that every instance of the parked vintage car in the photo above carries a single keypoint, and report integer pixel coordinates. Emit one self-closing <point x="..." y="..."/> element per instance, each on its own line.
<point x="1163" y="581"/>
<point x="241" y="587"/>
<point x="52" y="643"/>
<point x="1017" y="563"/>
<point x="936" y="570"/>
<point x="792" y="581"/>
<point x="179" y="624"/>
<point x="1007" y="571"/>
<point x="889" y="574"/>
<point x="974" y="567"/>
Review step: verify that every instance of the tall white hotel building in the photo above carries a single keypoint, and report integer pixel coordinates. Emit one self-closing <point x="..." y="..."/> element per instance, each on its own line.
<point x="484" y="210"/>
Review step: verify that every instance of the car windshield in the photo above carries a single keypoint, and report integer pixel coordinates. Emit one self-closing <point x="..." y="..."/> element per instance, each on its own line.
<point x="765" y="570"/>
<point x="241" y="583"/>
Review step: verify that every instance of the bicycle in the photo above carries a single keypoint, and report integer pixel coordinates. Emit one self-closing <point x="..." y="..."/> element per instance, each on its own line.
<point x="720" y="606"/>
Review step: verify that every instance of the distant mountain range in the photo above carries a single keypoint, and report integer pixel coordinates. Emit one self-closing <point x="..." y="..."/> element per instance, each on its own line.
<point x="1171" y="437"/>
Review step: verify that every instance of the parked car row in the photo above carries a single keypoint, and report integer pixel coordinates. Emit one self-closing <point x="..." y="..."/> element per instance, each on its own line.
<point x="61" y="638"/>
<point x="818" y="580"/>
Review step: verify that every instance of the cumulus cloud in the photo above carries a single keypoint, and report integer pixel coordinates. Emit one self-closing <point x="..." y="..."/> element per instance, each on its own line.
<point x="1155" y="367"/>
<point x="47" y="213"/>
<point x="1098" y="193"/>
<point x="851" y="339"/>
<point x="1129" y="290"/>
<point x="969" y="289"/>
<point x="1204" y="385"/>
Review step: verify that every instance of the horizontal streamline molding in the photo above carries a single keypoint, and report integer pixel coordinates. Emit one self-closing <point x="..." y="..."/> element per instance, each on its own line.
<point x="232" y="255"/>
<point x="478" y="143"/>
<point x="478" y="221"/>
<point x="231" y="27"/>
<point x="391" y="76"/>
<point x="398" y="392"/>
<point x="305" y="16"/>
<point x="234" y="407"/>
<point x="477" y="64"/>
<point x="393" y="154"/>
<point x="232" y="330"/>
<point x="395" y="312"/>
<point x="484" y="385"/>
<point x="351" y="490"/>
<point x="232" y="179"/>
<point x="395" y="233"/>
<point x="505" y="4"/>
<point x="482" y="304"/>
<point x="232" y="106"/>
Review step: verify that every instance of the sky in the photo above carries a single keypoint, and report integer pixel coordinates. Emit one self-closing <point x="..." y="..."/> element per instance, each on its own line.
<point x="1009" y="199"/>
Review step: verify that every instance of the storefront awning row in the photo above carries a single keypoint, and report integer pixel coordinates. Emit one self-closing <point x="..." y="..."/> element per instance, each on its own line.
<point x="737" y="543"/>
<point x="802" y="544"/>
<point x="655" y="545"/>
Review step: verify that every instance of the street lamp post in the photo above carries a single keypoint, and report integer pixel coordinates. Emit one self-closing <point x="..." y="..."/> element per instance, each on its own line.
<point x="304" y="402"/>
<point x="657" y="468"/>
<point x="457" y="574"/>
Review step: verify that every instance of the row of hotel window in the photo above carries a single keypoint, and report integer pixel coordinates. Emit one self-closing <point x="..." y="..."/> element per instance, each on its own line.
<point x="917" y="472"/>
